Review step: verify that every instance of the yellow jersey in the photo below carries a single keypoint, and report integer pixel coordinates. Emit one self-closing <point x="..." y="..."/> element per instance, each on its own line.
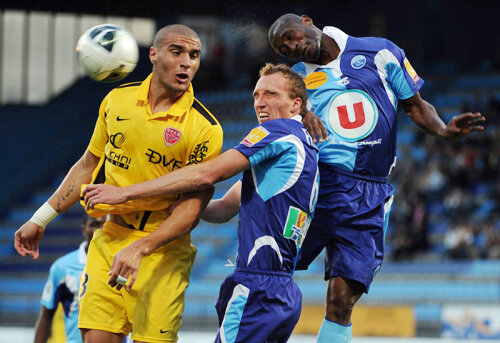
<point x="136" y="145"/>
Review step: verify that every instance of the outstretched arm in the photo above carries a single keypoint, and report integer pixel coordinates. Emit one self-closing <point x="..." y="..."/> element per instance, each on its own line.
<point x="425" y="116"/>
<point x="28" y="236"/>
<point x="222" y="210"/>
<point x="194" y="177"/>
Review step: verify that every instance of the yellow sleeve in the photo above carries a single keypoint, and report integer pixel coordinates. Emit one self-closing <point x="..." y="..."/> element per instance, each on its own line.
<point x="100" y="135"/>
<point x="207" y="145"/>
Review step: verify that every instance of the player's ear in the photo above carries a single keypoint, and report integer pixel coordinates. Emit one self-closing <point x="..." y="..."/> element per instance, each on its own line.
<point x="296" y="106"/>
<point x="306" y="20"/>
<point x="153" y="54"/>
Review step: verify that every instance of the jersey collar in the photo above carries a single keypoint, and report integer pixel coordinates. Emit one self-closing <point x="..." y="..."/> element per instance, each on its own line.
<point x="340" y="37"/>
<point x="181" y="106"/>
<point x="297" y="117"/>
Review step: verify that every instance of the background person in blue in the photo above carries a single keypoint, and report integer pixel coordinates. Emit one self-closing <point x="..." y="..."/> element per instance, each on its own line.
<point x="354" y="85"/>
<point x="62" y="287"/>
<point x="259" y="302"/>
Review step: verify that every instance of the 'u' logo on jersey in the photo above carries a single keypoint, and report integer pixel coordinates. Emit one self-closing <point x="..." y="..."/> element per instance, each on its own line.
<point x="352" y="115"/>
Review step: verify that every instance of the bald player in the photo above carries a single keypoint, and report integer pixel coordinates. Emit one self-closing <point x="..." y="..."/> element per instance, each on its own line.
<point x="144" y="130"/>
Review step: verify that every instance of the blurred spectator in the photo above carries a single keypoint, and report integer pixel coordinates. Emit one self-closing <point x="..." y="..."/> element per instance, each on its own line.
<point x="413" y="238"/>
<point x="492" y="246"/>
<point x="459" y="242"/>
<point x="438" y="182"/>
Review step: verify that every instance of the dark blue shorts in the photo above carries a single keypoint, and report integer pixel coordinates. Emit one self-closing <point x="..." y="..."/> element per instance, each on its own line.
<point x="257" y="307"/>
<point x="350" y="220"/>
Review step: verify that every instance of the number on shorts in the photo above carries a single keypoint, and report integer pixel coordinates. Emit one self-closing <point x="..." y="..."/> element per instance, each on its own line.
<point x="84" y="284"/>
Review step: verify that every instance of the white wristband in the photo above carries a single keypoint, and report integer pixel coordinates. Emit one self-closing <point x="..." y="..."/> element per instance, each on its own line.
<point x="44" y="215"/>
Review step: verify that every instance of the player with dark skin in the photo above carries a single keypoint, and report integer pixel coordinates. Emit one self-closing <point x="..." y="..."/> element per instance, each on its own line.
<point x="297" y="39"/>
<point x="300" y="40"/>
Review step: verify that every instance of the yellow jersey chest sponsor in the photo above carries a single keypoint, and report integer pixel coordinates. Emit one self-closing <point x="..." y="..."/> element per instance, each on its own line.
<point x="139" y="142"/>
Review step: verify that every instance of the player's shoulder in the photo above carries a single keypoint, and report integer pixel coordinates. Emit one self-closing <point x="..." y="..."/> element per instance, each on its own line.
<point x="125" y="89"/>
<point x="373" y="44"/>
<point x="204" y="116"/>
<point x="129" y="85"/>
<point x="282" y="126"/>
<point x="300" y="68"/>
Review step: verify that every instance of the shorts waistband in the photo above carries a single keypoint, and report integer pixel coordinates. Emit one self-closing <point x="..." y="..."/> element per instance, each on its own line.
<point x="110" y="226"/>
<point x="379" y="179"/>
<point x="263" y="272"/>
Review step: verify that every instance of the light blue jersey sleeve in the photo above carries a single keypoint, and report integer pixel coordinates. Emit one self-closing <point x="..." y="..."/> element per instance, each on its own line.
<point x="300" y="69"/>
<point x="49" y="295"/>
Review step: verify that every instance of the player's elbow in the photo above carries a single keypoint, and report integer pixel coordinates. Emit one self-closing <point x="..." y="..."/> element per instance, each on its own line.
<point x="204" y="180"/>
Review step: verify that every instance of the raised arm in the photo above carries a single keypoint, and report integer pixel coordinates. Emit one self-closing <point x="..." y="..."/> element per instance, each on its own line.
<point x="28" y="236"/>
<point x="223" y="209"/>
<point x="195" y="177"/>
<point x="425" y="116"/>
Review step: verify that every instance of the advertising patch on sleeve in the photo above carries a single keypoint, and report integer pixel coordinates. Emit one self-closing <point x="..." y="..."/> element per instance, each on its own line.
<point x="411" y="71"/>
<point x="255" y="136"/>
<point x="296" y="226"/>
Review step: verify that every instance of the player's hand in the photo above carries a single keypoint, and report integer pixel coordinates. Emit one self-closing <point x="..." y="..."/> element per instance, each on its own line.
<point x="463" y="124"/>
<point x="26" y="239"/>
<point x="103" y="194"/>
<point x="125" y="264"/>
<point x="315" y="127"/>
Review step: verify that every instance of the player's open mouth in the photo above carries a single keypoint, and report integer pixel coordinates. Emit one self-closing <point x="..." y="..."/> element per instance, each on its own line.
<point x="263" y="116"/>
<point x="182" y="77"/>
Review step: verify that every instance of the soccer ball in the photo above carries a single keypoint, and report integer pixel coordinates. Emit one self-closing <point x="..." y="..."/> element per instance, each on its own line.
<point x="107" y="52"/>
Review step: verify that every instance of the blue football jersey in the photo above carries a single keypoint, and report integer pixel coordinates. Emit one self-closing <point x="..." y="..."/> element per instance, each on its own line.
<point x="356" y="96"/>
<point x="278" y="195"/>
<point x="62" y="287"/>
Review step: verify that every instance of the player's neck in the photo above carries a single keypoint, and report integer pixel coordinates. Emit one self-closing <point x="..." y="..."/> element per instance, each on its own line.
<point x="161" y="98"/>
<point x="329" y="50"/>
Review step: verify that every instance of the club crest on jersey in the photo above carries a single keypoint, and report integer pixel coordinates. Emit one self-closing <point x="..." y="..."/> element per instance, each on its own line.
<point x="171" y="136"/>
<point x="352" y="115"/>
<point x="256" y="135"/>
<point x="358" y="61"/>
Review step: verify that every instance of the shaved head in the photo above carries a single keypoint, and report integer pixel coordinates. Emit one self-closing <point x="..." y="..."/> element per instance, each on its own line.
<point x="296" y="38"/>
<point x="284" y="20"/>
<point x="179" y="29"/>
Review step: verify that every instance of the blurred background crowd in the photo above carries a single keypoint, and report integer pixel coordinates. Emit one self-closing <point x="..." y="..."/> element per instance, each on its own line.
<point x="448" y="195"/>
